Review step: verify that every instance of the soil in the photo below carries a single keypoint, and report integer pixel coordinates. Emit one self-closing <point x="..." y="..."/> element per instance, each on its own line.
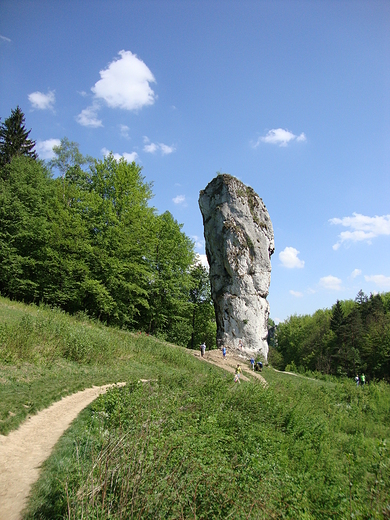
<point x="23" y="451"/>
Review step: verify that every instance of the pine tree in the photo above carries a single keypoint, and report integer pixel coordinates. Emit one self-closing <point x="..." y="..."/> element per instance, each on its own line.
<point x="14" y="139"/>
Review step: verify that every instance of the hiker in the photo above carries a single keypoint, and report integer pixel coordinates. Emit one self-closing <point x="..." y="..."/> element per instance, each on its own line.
<point x="202" y="349"/>
<point x="237" y="374"/>
<point x="357" y="380"/>
<point x="224" y="352"/>
<point x="240" y="344"/>
<point x="259" y="366"/>
<point x="252" y="363"/>
<point x="363" y="379"/>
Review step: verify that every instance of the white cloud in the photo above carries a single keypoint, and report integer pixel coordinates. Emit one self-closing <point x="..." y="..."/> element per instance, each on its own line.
<point x="362" y="228"/>
<point x="88" y="117"/>
<point x="125" y="83"/>
<point x="289" y="258"/>
<point x="45" y="148"/>
<point x="380" y="280"/>
<point x="199" y="242"/>
<point x="297" y="294"/>
<point x="330" y="282"/>
<point x="129" y="157"/>
<point x="42" y="101"/>
<point x="180" y="199"/>
<point x="124" y="131"/>
<point x="4" y="38"/>
<point x="150" y="148"/>
<point x="279" y="136"/>
<point x="356" y="272"/>
<point x="153" y="147"/>
<point x="202" y="259"/>
<point x="165" y="149"/>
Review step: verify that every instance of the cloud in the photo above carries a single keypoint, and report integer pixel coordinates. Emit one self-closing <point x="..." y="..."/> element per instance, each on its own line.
<point x="297" y="294"/>
<point x="180" y="199"/>
<point x="199" y="242"/>
<point x="125" y="83"/>
<point x="356" y="272"/>
<point x="129" y="157"/>
<point x="5" y="39"/>
<point x="280" y="137"/>
<point x="42" y="101"/>
<point x="330" y="282"/>
<point x="153" y="147"/>
<point x="202" y="259"/>
<point x="45" y="148"/>
<point x="289" y="258"/>
<point x="88" y="117"/>
<point x="124" y="131"/>
<point x="362" y="228"/>
<point x="380" y="280"/>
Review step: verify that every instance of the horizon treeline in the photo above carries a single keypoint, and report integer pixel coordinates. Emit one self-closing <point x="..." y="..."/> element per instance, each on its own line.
<point x="89" y="241"/>
<point x="351" y="338"/>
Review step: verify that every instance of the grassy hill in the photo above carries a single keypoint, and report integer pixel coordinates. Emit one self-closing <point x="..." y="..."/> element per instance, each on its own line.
<point x="189" y="443"/>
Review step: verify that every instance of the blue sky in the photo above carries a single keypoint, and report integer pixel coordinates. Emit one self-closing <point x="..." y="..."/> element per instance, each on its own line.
<point x="292" y="97"/>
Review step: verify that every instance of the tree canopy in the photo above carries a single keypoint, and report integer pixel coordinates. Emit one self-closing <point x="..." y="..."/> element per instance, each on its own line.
<point x="90" y="241"/>
<point x="14" y="139"/>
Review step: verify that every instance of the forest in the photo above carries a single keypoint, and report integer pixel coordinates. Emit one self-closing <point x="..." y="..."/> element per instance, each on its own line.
<point x="80" y="234"/>
<point x="350" y="339"/>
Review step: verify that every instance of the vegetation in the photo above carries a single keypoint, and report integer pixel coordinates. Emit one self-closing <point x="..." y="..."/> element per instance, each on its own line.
<point x="190" y="443"/>
<point x="89" y="241"/>
<point x="351" y="338"/>
<point x="14" y="139"/>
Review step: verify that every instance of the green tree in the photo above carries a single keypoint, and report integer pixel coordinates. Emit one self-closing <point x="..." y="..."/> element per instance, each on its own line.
<point x="203" y="324"/>
<point x="67" y="158"/>
<point x="25" y="195"/>
<point x="170" y="261"/>
<point x="14" y="139"/>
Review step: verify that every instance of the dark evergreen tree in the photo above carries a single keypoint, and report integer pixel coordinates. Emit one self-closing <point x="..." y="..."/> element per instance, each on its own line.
<point x="14" y="139"/>
<point x="337" y="317"/>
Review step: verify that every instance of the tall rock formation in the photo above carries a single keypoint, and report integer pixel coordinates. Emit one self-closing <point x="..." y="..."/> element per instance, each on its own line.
<point x="239" y="244"/>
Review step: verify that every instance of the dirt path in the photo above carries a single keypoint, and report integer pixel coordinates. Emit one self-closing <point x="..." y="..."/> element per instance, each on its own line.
<point x="229" y="363"/>
<point x="24" y="450"/>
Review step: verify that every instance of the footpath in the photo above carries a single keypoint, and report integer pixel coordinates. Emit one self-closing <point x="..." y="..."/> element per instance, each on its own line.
<point x="229" y="363"/>
<point x="23" y="451"/>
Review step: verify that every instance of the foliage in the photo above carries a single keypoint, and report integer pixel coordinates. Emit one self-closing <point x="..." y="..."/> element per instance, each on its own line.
<point x="89" y="241"/>
<point x="14" y="139"/>
<point x="353" y="337"/>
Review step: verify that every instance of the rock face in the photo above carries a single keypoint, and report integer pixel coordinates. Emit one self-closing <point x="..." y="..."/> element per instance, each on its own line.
<point x="239" y="244"/>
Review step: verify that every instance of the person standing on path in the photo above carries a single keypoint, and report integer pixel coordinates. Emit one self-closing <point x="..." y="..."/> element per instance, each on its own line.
<point x="202" y="349"/>
<point x="237" y="374"/>
<point x="252" y="363"/>
<point x="224" y="352"/>
<point x="240" y="344"/>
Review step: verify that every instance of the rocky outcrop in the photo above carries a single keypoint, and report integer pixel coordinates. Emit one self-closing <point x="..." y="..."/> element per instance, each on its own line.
<point x="239" y="244"/>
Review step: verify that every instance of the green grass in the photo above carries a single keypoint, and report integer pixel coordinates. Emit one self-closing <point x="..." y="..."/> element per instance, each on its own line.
<point x="193" y="444"/>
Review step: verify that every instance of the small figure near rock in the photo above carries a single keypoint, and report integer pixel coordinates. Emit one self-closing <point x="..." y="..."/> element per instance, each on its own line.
<point x="237" y="374"/>
<point x="252" y="363"/>
<point x="224" y="352"/>
<point x="202" y="349"/>
<point x="259" y="366"/>
<point x="240" y="344"/>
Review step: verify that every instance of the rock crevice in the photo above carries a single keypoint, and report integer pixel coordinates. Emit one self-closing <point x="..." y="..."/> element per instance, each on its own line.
<point x="239" y="244"/>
